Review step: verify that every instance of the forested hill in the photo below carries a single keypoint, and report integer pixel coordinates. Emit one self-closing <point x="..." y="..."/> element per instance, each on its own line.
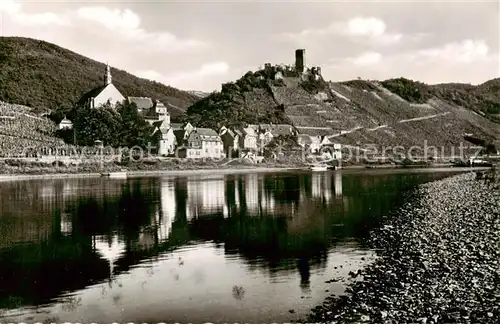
<point x="390" y="112"/>
<point x="45" y="77"/>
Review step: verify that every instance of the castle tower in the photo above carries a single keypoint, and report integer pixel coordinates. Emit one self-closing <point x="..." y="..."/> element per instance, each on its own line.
<point x="300" y="58"/>
<point x="107" y="76"/>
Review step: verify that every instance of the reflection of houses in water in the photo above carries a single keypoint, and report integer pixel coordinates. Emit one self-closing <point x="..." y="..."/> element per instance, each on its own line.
<point x="321" y="186"/>
<point x="69" y="189"/>
<point x="160" y="226"/>
<point x="305" y="274"/>
<point x="338" y="183"/>
<point x="47" y="190"/>
<point x="110" y="248"/>
<point x="267" y="200"/>
<point x="252" y="193"/>
<point x="168" y="208"/>
<point x="237" y="202"/>
<point x="250" y="188"/>
<point x="205" y="196"/>
<point x="66" y="224"/>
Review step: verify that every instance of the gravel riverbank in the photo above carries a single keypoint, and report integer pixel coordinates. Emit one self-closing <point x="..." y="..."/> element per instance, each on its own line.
<point x="438" y="261"/>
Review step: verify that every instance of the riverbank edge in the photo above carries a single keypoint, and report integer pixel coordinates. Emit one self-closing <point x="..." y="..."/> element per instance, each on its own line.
<point x="222" y="171"/>
<point x="141" y="173"/>
<point x="356" y="304"/>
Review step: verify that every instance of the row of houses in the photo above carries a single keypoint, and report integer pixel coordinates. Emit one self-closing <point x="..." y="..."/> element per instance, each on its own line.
<point x="188" y="141"/>
<point x="192" y="142"/>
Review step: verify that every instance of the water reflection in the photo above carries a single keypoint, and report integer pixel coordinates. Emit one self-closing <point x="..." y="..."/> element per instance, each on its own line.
<point x="273" y="231"/>
<point x="110" y="249"/>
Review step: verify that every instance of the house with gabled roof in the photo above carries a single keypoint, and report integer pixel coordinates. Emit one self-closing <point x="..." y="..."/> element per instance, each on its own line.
<point x="156" y="113"/>
<point x="182" y="131"/>
<point x="143" y="104"/>
<point x="102" y="95"/>
<point x="202" y="143"/>
<point x="312" y="143"/>
<point x="230" y="141"/>
<point x="278" y="129"/>
<point x="165" y="138"/>
<point x="248" y="139"/>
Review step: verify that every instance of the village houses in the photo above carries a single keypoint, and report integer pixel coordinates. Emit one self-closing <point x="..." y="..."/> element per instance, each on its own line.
<point x="248" y="139"/>
<point x="198" y="142"/>
<point x="312" y="143"/>
<point x="202" y="143"/>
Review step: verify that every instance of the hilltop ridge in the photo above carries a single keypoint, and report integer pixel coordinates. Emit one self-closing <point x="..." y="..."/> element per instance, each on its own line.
<point x="391" y="112"/>
<point x="45" y="77"/>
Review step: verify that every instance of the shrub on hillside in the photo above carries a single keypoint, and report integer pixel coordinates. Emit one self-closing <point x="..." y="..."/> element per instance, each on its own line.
<point x="313" y="86"/>
<point x="247" y="100"/>
<point x="409" y="90"/>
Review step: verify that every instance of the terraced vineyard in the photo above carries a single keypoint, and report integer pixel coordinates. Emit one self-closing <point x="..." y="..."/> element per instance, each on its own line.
<point x="363" y="112"/>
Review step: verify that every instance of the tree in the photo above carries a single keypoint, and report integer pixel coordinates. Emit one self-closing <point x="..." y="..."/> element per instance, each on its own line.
<point x="97" y="124"/>
<point x="135" y="131"/>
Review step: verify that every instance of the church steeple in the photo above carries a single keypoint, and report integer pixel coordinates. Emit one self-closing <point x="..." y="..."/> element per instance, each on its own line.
<point x="107" y="75"/>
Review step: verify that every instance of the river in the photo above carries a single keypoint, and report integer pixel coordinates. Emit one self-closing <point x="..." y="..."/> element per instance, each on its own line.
<point x="251" y="248"/>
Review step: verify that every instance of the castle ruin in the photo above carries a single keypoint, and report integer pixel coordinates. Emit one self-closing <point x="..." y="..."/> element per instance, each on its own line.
<point x="299" y="69"/>
<point x="300" y="57"/>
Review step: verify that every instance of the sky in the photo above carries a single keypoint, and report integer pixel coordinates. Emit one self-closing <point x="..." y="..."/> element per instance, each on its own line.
<point x="198" y="45"/>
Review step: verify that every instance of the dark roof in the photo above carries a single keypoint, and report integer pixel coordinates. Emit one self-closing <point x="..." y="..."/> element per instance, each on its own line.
<point x="177" y="126"/>
<point x="163" y="124"/>
<point x="141" y="102"/>
<point x="179" y="135"/>
<point x="151" y="114"/>
<point x="91" y="94"/>
<point x="281" y="129"/>
<point x="231" y="133"/>
<point x="313" y="131"/>
<point x="206" y="132"/>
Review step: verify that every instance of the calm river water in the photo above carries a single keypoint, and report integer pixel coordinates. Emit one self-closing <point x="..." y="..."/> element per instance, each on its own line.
<point x="248" y="248"/>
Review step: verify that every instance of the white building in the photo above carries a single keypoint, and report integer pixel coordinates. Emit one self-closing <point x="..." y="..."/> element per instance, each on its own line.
<point x="165" y="137"/>
<point x="65" y="124"/>
<point x="105" y="94"/>
<point x="202" y="143"/>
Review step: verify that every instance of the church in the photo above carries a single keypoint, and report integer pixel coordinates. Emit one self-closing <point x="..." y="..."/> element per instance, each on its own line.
<point x="107" y="93"/>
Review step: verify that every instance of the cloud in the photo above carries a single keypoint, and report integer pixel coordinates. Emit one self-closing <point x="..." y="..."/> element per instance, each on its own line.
<point x="366" y="26"/>
<point x="467" y="60"/>
<point x="14" y="10"/>
<point x="465" y="51"/>
<point x="191" y="79"/>
<point x="369" y="28"/>
<point x="367" y="58"/>
<point x="113" y="19"/>
<point x="127" y="24"/>
<point x="121" y="26"/>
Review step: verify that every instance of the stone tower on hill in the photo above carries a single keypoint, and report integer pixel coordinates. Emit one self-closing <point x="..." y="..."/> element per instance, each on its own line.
<point x="300" y="58"/>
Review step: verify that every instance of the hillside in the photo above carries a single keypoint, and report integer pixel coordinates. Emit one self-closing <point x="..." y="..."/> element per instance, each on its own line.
<point x="199" y="94"/>
<point x="45" y="77"/>
<point x="391" y="112"/>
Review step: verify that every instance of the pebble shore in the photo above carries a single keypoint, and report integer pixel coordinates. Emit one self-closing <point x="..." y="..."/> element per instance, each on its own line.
<point x="438" y="260"/>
